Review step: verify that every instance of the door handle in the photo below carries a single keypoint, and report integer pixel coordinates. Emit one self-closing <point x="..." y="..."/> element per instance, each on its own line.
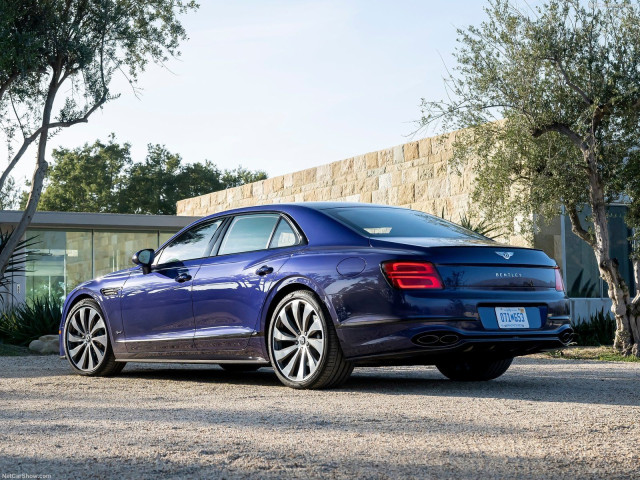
<point x="264" y="270"/>
<point x="183" y="277"/>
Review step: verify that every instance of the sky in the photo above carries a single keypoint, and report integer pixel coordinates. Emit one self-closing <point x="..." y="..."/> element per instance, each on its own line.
<point x="285" y="85"/>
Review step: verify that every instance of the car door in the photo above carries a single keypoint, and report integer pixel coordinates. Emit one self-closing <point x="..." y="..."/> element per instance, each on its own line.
<point x="231" y="286"/>
<point x="157" y="310"/>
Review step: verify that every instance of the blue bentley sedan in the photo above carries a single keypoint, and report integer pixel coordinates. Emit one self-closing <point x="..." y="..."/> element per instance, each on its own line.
<point x="314" y="289"/>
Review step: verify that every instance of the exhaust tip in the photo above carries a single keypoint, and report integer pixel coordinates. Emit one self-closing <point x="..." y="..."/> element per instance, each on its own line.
<point x="437" y="339"/>
<point x="428" y="339"/>
<point x="566" y="337"/>
<point x="449" y="339"/>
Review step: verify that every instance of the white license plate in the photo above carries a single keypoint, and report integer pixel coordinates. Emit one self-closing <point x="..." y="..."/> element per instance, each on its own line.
<point x="512" y="317"/>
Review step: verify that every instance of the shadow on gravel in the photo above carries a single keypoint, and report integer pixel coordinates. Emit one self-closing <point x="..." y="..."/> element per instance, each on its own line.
<point x="604" y="385"/>
<point x="263" y="377"/>
<point x="267" y="462"/>
<point x="542" y="384"/>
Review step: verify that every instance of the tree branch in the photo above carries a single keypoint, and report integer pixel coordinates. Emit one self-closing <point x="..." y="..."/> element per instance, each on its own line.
<point x="577" y="228"/>
<point x="572" y="85"/>
<point x="5" y="86"/>
<point x="45" y="128"/>
<point x="562" y="129"/>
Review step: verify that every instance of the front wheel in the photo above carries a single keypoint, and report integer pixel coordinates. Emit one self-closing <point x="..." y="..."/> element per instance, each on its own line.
<point x="303" y="344"/>
<point x="86" y="341"/>
<point x="474" y="370"/>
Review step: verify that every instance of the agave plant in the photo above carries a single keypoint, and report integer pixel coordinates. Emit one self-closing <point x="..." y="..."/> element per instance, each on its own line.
<point x="17" y="262"/>
<point x="29" y="321"/>
<point x="483" y="227"/>
<point x="600" y="329"/>
<point x="582" y="290"/>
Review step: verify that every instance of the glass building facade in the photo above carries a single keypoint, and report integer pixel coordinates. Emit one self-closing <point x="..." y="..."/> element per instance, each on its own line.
<point x="576" y="258"/>
<point x="59" y="259"/>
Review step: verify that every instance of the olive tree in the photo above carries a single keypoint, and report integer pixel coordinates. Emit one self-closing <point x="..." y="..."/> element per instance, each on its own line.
<point x="549" y="100"/>
<point x="57" y="61"/>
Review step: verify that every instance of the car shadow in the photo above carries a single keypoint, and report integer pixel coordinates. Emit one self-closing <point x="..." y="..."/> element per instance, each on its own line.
<point x="543" y="384"/>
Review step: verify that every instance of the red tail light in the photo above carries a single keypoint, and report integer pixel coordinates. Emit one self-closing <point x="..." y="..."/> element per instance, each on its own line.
<point x="412" y="275"/>
<point x="559" y="282"/>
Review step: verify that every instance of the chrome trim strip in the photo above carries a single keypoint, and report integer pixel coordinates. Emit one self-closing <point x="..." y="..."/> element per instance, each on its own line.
<point x="243" y="333"/>
<point x="261" y="361"/>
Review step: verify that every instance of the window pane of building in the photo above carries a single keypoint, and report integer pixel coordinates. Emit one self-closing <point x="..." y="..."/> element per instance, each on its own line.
<point x="57" y="263"/>
<point x="620" y="247"/>
<point x="582" y="278"/>
<point x="113" y="250"/>
<point x="78" y="266"/>
<point x="549" y="238"/>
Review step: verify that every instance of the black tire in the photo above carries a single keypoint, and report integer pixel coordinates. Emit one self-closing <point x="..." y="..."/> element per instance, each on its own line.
<point x="332" y="369"/>
<point x="474" y="370"/>
<point x="239" y="367"/>
<point x="107" y="365"/>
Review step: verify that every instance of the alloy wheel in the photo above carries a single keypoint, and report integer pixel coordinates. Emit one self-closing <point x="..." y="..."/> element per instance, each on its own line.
<point x="86" y="337"/>
<point x="298" y="340"/>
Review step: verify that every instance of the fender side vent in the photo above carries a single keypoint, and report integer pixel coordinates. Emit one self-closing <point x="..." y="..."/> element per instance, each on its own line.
<point x="110" y="292"/>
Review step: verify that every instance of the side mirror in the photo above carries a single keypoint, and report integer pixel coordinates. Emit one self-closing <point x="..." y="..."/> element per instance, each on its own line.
<point x="144" y="258"/>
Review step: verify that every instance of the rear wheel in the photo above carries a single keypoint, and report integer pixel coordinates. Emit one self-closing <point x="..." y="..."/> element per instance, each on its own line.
<point x="303" y="344"/>
<point x="86" y="341"/>
<point x="474" y="370"/>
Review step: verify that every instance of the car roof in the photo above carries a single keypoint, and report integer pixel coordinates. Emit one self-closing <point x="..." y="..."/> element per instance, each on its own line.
<point x="292" y="206"/>
<point x="317" y="226"/>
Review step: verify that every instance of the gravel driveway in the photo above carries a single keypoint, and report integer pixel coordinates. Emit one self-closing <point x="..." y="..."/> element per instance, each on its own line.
<point x="543" y="419"/>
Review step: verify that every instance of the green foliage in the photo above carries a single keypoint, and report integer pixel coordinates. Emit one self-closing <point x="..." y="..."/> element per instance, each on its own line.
<point x="9" y="195"/>
<point x="599" y="330"/>
<point x="29" y="321"/>
<point x="102" y="178"/>
<point x="57" y="63"/>
<point x="16" y="264"/>
<point x="582" y="290"/>
<point x="549" y="100"/>
<point x="88" y="179"/>
<point x="85" y="43"/>
<point x="483" y="227"/>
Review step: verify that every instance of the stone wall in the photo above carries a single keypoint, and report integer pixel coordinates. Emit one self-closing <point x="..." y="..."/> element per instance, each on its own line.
<point x="415" y="175"/>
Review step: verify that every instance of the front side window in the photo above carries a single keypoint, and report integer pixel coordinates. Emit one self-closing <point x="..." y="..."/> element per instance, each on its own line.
<point x="398" y="222"/>
<point x="248" y="233"/>
<point x="189" y="245"/>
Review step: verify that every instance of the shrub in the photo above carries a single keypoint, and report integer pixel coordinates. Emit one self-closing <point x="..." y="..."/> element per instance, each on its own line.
<point x="17" y="261"/>
<point x="29" y="321"/>
<point x="599" y="330"/>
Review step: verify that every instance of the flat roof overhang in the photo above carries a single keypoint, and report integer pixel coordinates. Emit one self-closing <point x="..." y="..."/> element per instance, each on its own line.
<point x="98" y="220"/>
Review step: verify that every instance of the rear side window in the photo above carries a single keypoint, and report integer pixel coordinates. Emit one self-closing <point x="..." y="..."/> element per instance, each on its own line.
<point x="248" y="233"/>
<point x="284" y="236"/>
<point x="397" y="222"/>
<point x="189" y="245"/>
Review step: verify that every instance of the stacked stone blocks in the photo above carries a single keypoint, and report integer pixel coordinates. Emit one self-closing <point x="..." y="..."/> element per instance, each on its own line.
<point x="416" y="175"/>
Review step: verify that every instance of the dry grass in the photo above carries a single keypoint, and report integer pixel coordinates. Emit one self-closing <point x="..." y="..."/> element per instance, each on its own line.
<point x="607" y="354"/>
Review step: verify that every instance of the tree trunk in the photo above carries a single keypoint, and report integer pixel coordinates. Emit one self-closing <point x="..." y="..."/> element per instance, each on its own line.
<point x="37" y="180"/>
<point x="623" y="306"/>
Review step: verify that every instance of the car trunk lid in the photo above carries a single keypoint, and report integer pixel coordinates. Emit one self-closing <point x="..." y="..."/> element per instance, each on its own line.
<point x="480" y="264"/>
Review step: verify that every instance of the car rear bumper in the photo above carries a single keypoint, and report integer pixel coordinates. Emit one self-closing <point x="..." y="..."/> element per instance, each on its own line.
<point x="427" y="342"/>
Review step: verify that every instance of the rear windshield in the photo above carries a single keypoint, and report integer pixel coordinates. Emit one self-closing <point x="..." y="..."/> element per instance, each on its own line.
<point x="398" y="222"/>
